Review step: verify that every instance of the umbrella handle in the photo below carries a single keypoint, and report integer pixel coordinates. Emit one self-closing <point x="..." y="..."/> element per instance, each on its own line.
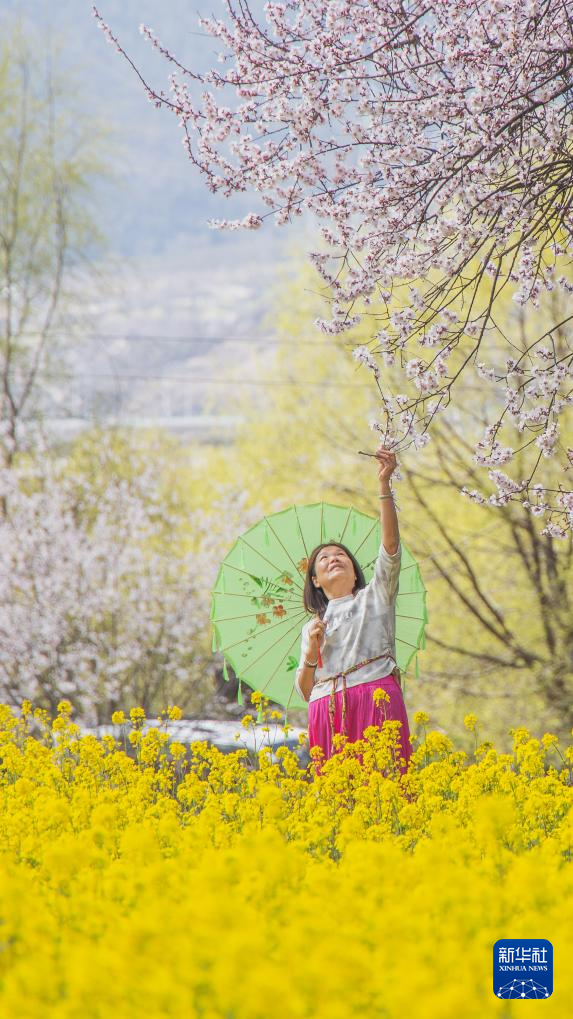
<point x="319" y="659"/>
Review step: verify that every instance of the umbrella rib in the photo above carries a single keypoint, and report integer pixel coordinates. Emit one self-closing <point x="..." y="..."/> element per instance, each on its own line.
<point x="273" y="674"/>
<point x="404" y="594"/>
<point x="400" y="640"/>
<point x="240" y="569"/>
<point x="239" y="594"/>
<point x="244" y="640"/>
<point x="292" y="603"/>
<point x="248" y="615"/>
<point x="348" y="515"/>
<point x="365" y="539"/>
<point x="301" y="531"/>
<point x="372" y="561"/>
<point x="252" y="664"/>
<point x="256" y="551"/>
<point x="283" y="547"/>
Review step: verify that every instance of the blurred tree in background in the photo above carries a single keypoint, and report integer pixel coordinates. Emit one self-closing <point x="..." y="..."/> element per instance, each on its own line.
<point x="50" y="156"/>
<point x="105" y="577"/>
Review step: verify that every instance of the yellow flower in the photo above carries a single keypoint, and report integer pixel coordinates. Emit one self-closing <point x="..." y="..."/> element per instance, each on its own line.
<point x="380" y="695"/>
<point x="175" y="714"/>
<point x="421" y="718"/>
<point x="137" y="715"/>
<point x="549" y="741"/>
<point x="470" y="722"/>
<point x="118" y="718"/>
<point x="95" y="843"/>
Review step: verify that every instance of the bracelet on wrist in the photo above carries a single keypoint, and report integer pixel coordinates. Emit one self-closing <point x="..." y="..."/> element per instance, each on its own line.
<point x="391" y="496"/>
<point x="311" y="665"/>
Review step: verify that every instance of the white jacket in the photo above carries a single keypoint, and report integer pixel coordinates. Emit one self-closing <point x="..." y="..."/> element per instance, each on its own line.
<point x="358" y="626"/>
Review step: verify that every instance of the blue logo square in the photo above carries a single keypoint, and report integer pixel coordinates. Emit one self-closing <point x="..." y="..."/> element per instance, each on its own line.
<point x="523" y="968"/>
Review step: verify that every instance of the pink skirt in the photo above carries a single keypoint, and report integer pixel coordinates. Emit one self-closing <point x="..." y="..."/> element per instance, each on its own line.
<point x="361" y="711"/>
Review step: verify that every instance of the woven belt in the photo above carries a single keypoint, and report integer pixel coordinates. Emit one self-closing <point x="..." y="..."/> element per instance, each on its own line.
<point x="343" y="675"/>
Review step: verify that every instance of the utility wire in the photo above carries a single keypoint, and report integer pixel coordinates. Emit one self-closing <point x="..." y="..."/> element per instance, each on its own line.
<point x="161" y="337"/>
<point x="192" y="380"/>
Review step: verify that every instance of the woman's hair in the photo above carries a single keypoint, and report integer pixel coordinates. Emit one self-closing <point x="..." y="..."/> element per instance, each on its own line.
<point x="315" y="599"/>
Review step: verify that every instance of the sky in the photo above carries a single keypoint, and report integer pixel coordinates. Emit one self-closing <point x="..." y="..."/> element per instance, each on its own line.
<point x="164" y="273"/>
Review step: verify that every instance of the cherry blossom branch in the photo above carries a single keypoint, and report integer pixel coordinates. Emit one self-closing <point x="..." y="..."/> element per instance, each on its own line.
<point x="433" y="145"/>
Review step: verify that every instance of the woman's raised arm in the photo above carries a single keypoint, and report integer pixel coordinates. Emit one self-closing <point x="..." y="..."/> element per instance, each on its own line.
<point x="388" y="516"/>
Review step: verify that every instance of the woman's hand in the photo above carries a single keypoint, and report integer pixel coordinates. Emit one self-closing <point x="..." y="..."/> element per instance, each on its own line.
<point x="387" y="465"/>
<point x="315" y="635"/>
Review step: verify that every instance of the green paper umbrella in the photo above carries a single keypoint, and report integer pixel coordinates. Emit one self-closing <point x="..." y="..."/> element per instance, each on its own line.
<point x="257" y="611"/>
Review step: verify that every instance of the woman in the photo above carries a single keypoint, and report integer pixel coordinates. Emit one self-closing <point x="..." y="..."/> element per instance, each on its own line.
<point x="348" y="648"/>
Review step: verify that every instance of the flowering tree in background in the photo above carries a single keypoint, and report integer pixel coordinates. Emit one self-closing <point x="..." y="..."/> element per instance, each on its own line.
<point x="432" y="141"/>
<point x="100" y="602"/>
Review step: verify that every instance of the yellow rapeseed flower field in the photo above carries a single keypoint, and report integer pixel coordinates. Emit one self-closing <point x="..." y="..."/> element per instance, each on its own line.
<point x="143" y="880"/>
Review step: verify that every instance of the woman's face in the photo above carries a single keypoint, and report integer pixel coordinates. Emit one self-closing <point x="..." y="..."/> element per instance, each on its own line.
<point x="334" y="571"/>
